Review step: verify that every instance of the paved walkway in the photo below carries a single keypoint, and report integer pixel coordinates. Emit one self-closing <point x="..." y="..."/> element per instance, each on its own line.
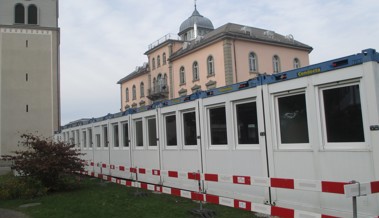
<point x="11" y="214"/>
<point x="4" y="170"/>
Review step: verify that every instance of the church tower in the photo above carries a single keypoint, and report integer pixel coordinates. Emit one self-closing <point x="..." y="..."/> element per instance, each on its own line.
<point x="29" y="70"/>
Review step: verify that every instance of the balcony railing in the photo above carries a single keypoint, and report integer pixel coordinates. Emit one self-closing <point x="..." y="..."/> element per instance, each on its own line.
<point x="158" y="92"/>
<point x="163" y="39"/>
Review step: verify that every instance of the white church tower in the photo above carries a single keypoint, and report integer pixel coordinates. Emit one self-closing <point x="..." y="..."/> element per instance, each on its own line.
<point x="29" y="70"/>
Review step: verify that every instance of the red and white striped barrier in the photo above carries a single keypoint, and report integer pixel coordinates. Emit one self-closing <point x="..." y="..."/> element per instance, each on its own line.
<point x="214" y="199"/>
<point x="283" y="183"/>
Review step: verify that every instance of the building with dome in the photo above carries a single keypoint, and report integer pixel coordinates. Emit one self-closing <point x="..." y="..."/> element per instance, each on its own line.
<point x="202" y="58"/>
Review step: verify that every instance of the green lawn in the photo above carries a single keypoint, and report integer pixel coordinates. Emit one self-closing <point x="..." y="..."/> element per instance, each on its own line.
<point x="98" y="199"/>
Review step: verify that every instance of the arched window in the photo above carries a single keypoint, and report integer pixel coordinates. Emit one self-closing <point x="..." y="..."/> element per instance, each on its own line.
<point x="153" y="64"/>
<point x="142" y="90"/>
<point x="134" y="92"/>
<point x="182" y="75"/>
<point x="32" y="14"/>
<point x="253" y="65"/>
<point x="195" y="71"/>
<point x="164" y="59"/>
<point x="211" y="66"/>
<point x="127" y="95"/>
<point x="19" y="14"/>
<point x="276" y="63"/>
<point x="159" y="61"/>
<point x="296" y="63"/>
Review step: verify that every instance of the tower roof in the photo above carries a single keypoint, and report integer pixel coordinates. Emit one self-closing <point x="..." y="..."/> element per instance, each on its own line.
<point x="196" y="17"/>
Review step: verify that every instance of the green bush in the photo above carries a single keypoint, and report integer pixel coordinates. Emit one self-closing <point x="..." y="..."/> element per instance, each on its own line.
<point x="12" y="187"/>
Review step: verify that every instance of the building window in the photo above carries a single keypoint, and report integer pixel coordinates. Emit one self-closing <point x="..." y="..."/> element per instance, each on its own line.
<point x="154" y="85"/>
<point x="276" y="63"/>
<point x="253" y="65"/>
<point x="158" y="61"/>
<point x="19" y="14"/>
<point x="153" y="64"/>
<point x="134" y="92"/>
<point x="195" y="71"/>
<point x="142" y="90"/>
<point x="164" y="59"/>
<point x="182" y="76"/>
<point x="127" y="94"/>
<point x="32" y="14"/>
<point x="296" y="63"/>
<point x="211" y="66"/>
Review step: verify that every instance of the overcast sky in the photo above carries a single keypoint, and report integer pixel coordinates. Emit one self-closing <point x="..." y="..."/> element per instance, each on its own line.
<point x="104" y="40"/>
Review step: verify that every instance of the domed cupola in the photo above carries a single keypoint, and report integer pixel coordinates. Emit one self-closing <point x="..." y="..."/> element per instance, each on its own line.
<point x="196" y="25"/>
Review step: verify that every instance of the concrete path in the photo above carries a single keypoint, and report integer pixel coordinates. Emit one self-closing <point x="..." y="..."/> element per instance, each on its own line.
<point x="11" y="214"/>
<point x="4" y="170"/>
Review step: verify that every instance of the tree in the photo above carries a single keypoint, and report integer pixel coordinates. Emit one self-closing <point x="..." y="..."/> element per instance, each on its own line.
<point x="47" y="161"/>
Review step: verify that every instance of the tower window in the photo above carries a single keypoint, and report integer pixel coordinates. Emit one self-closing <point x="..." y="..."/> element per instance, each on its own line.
<point x="134" y="93"/>
<point x="164" y="59"/>
<point x="253" y="66"/>
<point x="211" y="66"/>
<point x="296" y="63"/>
<point x="142" y="89"/>
<point x="195" y="71"/>
<point x="182" y="76"/>
<point x="127" y="95"/>
<point x="19" y="14"/>
<point x="276" y="63"/>
<point x="32" y="14"/>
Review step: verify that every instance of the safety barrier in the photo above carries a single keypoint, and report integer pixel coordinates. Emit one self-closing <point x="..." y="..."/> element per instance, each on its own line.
<point x="284" y="183"/>
<point x="349" y="189"/>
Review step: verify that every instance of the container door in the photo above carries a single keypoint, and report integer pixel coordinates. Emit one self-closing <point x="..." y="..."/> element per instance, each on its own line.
<point x="234" y="147"/>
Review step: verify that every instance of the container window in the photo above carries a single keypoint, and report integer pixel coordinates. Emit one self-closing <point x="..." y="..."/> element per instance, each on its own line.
<point x="247" y="123"/>
<point x="90" y="142"/>
<point x="189" y="128"/>
<point x="217" y="118"/>
<point x="125" y="136"/>
<point x="171" y="130"/>
<point x="116" y="142"/>
<point x="105" y="134"/>
<point x="343" y="114"/>
<point x="139" y="133"/>
<point x="84" y="134"/>
<point x="152" y="131"/>
<point x="293" y="119"/>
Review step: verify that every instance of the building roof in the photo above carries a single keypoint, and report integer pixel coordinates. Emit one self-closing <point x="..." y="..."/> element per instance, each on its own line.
<point x="242" y="32"/>
<point x="200" y="20"/>
<point x="138" y="72"/>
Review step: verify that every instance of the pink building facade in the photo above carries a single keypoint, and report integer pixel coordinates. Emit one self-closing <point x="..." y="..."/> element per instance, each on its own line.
<point x="202" y="58"/>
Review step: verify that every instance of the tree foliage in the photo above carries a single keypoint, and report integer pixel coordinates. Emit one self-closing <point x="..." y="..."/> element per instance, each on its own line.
<point x="46" y="161"/>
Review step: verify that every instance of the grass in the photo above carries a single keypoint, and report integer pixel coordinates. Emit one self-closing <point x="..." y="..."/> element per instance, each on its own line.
<point x="99" y="199"/>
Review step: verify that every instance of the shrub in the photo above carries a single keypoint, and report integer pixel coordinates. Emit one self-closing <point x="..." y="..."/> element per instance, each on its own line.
<point x="12" y="187"/>
<point x="46" y="161"/>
